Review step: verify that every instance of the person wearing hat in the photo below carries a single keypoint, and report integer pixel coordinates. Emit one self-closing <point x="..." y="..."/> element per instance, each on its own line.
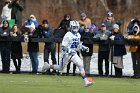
<point x="135" y="50"/>
<point x="109" y="21"/>
<point x="119" y="50"/>
<point x="33" y="47"/>
<point x="49" y="47"/>
<point x="103" y="51"/>
<point x="31" y="21"/>
<point x="84" y="20"/>
<point x="131" y="24"/>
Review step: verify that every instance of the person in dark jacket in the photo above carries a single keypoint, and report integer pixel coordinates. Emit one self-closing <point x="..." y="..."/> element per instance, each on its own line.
<point x="109" y="21"/>
<point x="49" y="47"/>
<point x="119" y="50"/>
<point x="135" y="50"/>
<point x="16" y="13"/>
<point x="16" y="48"/>
<point x="104" y="49"/>
<point x="63" y="27"/>
<point x="87" y="34"/>
<point x="33" y="48"/>
<point x="5" y="47"/>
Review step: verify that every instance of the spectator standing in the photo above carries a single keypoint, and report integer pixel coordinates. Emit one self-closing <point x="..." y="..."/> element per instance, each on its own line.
<point x="33" y="48"/>
<point x="16" y="48"/>
<point x="119" y="50"/>
<point x="32" y="20"/>
<point x="16" y="13"/>
<point x="109" y="21"/>
<point x="87" y="34"/>
<point x="50" y="47"/>
<point x="63" y="27"/>
<point x="84" y="20"/>
<point x="134" y="49"/>
<point x="103" y="51"/>
<point x="131" y="25"/>
<point x="6" y="11"/>
<point x="5" y="46"/>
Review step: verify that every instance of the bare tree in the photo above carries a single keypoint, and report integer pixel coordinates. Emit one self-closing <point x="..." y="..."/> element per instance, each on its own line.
<point x="104" y="2"/>
<point x="128" y="3"/>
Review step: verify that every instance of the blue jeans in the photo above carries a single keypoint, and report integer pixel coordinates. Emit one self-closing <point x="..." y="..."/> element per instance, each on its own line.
<point x="34" y="60"/>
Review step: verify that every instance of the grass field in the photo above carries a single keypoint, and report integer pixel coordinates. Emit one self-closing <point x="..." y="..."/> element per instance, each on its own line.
<point x="28" y="83"/>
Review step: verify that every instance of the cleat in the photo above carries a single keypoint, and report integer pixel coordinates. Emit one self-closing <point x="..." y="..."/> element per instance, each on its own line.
<point x="87" y="84"/>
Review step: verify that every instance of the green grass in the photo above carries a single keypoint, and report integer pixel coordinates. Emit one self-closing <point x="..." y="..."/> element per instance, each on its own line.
<point x="26" y="83"/>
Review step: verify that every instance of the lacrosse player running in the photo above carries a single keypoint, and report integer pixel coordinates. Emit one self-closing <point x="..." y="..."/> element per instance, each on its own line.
<point x="70" y="45"/>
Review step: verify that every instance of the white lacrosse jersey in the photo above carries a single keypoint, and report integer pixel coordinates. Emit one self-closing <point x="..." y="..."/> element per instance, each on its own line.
<point x="71" y="40"/>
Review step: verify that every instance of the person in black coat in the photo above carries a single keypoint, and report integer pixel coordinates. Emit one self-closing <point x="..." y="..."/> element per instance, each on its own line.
<point x="5" y="46"/>
<point x="86" y="35"/>
<point x="63" y="27"/>
<point x="16" y="48"/>
<point x="119" y="50"/>
<point x="33" y="48"/>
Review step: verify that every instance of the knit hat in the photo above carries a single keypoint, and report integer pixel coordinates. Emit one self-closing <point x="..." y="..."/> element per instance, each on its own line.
<point x="109" y="13"/>
<point x="45" y="21"/>
<point x="103" y="25"/>
<point x="83" y="14"/>
<point x="116" y="26"/>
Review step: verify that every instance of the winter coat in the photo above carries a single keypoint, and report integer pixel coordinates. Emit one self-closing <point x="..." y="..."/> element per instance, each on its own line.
<point x="47" y="33"/>
<point x="86" y="21"/>
<point x="5" y="34"/>
<point x="16" y="12"/>
<point x="6" y="12"/>
<point x="29" y="23"/>
<point x="133" y="48"/>
<point x="84" y="36"/>
<point x="119" y="50"/>
<point x="103" y="36"/>
<point x="62" y="29"/>
<point x="109" y="25"/>
<point x="16" y="48"/>
<point x="33" y="46"/>
<point x="64" y="24"/>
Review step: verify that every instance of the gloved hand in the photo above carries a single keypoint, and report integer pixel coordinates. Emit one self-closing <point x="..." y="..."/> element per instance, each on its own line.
<point x="84" y="48"/>
<point x="112" y="37"/>
<point x="26" y="38"/>
<point x="104" y="37"/>
<point x="128" y="37"/>
<point x="87" y="49"/>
